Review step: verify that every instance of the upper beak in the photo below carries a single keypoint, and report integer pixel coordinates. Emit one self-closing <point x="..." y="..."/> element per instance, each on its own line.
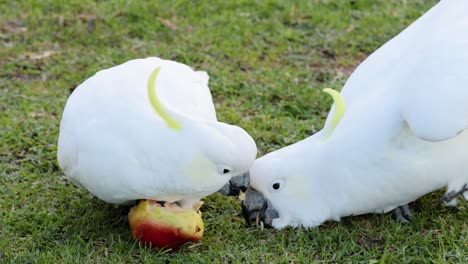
<point x="257" y="208"/>
<point x="236" y="185"/>
<point x="240" y="182"/>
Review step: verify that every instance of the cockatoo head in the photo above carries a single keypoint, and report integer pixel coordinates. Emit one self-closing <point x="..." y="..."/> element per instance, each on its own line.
<point x="209" y="151"/>
<point x="230" y="149"/>
<point x="277" y="190"/>
<point x="280" y="191"/>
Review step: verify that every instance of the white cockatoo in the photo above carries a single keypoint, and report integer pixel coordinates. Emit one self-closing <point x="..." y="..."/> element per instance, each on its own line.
<point x="396" y="133"/>
<point x="147" y="129"/>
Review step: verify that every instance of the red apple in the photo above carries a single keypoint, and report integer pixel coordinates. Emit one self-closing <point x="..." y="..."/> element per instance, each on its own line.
<point x="169" y="226"/>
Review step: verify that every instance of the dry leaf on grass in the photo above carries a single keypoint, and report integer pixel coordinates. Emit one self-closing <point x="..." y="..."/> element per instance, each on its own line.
<point x="168" y="24"/>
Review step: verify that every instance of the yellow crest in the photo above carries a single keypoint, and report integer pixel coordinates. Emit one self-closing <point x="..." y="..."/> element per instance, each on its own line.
<point x="156" y="103"/>
<point x="340" y="108"/>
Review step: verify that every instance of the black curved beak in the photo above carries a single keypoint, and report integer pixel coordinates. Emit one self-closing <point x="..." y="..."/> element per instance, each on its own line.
<point x="236" y="185"/>
<point x="256" y="208"/>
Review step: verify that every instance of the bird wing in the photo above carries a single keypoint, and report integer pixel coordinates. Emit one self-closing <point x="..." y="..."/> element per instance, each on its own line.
<point x="425" y="69"/>
<point x="191" y="95"/>
<point x="111" y="113"/>
<point x="434" y="99"/>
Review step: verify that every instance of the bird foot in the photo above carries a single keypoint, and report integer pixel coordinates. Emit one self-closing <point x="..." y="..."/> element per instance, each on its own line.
<point x="403" y="214"/>
<point x="125" y="209"/>
<point x="450" y="197"/>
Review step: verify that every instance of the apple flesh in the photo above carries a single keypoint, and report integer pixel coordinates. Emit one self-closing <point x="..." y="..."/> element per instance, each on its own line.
<point x="169" y="226"/>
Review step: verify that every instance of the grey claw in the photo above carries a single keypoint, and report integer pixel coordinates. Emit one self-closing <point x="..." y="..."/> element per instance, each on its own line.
<point x="403" y="214"/>
<point x="448" y="197"/>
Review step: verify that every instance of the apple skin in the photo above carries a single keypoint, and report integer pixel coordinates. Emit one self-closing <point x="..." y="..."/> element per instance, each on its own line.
<point x="165" y="227"/>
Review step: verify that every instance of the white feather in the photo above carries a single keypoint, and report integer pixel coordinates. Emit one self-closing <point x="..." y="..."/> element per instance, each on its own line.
<point x="114" y="144"/>
<point x="402" y="135"/>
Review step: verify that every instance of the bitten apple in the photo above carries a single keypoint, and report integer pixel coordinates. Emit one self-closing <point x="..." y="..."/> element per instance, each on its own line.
<point x="165" y="226"/>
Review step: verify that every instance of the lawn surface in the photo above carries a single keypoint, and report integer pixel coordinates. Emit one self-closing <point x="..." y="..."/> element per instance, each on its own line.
<point x="268" y="61"/>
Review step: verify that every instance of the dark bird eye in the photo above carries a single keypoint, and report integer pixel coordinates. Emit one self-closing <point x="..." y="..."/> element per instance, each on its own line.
<point x="276" y="186"/>
<point x="225" y="171"/>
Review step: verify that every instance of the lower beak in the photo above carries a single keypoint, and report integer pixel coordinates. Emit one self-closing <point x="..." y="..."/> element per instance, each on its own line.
<point x="256" y="208"/>
<point x="250" y="216"/>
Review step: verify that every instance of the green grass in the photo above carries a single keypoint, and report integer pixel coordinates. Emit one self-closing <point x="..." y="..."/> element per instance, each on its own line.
<point x="268" y="61"/>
